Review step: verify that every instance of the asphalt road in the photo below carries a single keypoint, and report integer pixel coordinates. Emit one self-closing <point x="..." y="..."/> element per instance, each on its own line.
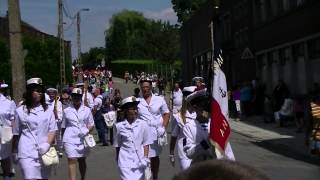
<point x="102" y="166"/>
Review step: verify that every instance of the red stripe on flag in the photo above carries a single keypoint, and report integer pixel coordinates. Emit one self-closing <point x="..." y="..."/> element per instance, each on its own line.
<point x="219" y="126"/>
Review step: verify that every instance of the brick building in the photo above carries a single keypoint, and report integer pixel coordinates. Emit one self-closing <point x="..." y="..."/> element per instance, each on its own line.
<point x="30" y="31"/>
<point x="265" y="39"/>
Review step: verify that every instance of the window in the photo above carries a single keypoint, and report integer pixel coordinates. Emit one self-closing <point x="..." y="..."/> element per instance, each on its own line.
<point x="270" y="59"/>
<point x="314" y="48"/>
<point x="297" y="51"/>
<point x="284" y="56"/>
<point x="286" y="5"/>
<point x="263" y="10"/>
<point x="261" y="61"/>
<point x="300" y="2"/>
<point x="275" y="56"/>
<point x="276" y="7"/>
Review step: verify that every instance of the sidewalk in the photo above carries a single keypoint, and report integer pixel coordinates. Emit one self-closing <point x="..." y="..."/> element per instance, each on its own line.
<point x="283" y="141"/>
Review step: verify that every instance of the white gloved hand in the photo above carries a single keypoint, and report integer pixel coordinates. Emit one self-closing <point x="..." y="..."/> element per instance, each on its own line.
<point x="144" y="163"/>
<point x="160" y="131"/>
<point x="43" y="148"/>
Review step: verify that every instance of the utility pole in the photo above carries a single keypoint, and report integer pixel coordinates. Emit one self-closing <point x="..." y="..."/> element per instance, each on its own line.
<point x="61" y="44"/>
<point x="78" y="38"/>
<point x="80" y="77"/>
<point x="17" y="57"/>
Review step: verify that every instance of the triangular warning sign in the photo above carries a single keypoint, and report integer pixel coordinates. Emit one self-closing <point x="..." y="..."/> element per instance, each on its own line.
<point x="247" y="54"/>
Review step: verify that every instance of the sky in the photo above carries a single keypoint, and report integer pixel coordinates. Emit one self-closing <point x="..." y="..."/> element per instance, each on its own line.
<point x="43" y="15"/>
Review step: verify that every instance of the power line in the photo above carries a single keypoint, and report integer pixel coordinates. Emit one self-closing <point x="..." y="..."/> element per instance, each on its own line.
<point x="67" y="11"/>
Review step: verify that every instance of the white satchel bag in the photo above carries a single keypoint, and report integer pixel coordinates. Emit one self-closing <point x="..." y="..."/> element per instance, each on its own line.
<point x="6" y="134"/>
<point x="51" y="157"/>
<point x="89" y="141"/>
<point x="110" y="118"/>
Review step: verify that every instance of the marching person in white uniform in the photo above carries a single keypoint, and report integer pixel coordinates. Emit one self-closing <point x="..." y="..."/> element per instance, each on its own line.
<point x="196" y="130"/>
<point x="87" y="98"/>
<point x="177" y="137"/>
<point x="54" y="104"/>
<point x="7" y="110"/>
<point x="154" y="110"/>
<point x="34" y="129"/>
<point x="176" y="98"/>
<point x="132" y="139"/>
<point x="78" y="122"/>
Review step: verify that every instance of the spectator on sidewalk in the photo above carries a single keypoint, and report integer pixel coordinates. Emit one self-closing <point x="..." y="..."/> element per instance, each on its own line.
<point x="245" y="98"/>
<point x="236" y="95"/>
<point x="286" y="112"/>
<point x="313" y="130"/>
<point x="299" y="114"/>
<point x="280" y="92"/>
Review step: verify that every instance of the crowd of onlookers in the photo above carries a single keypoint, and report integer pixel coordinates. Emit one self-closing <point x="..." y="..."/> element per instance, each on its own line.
<point x="281" y="106"/>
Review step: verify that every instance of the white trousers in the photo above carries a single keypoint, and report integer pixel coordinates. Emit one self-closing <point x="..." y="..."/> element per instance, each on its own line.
<point x="131" y="174"/>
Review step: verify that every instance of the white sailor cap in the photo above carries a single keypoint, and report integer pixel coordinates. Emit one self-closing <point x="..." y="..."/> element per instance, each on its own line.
<point x="35" y="81"/>
<point x="80" y="84"/>
<point x="188" y="90"/>
<point x="77" y="91"/>
<point x="197" y="78"/>
<point x="197" y="95"/>
<point x="2" y="86"/>
<point x="52" y="89"/>
<point x="146" y="80"/>
<point x="129" y="101"/>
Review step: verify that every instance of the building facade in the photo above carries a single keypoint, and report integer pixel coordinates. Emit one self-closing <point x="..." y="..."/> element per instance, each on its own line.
<point x="287" y="43"/>
<point x="30" y="31"/>
<point x="270" y="40"/>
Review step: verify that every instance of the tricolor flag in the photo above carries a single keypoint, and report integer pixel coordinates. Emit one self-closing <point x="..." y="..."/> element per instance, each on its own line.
<point x="219" y="126"/>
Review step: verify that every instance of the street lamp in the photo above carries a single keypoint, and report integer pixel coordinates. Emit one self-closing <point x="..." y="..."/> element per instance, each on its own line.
<point x="78" y="34"/>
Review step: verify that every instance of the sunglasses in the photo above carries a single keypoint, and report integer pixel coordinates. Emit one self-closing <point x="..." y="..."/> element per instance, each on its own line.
<point x="38" y="90"/>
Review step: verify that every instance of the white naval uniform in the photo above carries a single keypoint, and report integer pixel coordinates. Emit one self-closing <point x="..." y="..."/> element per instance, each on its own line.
<point x="77" y="124"/>
<point x="89" y="99"/>
<point x="195" y="133"/>
<point x="41" y="123"/>
<point x="58" y="120"/>
<point x="177" y="131"/>
<point x="152" y="114"/>
<point x="7" y="110"/>
<point x="131" y="138"/>
<point x="176" y="97"/>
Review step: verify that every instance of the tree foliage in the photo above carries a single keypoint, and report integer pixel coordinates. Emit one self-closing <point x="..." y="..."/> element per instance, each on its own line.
<point x="42" y="61"/>
<point x="93" y="57"/>
<point x="186" y="8"/>
<point x="132" y="36"/>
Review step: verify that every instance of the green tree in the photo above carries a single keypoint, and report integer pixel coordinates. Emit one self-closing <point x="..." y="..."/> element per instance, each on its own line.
<point x="132" y="36"/>
<point x="186" y="8"/>
<point x="93" y="57"/>
<point x="5" y="68"/>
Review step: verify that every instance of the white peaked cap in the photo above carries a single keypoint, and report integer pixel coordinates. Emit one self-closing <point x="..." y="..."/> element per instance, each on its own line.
<point x="2" y="86"/>
<point x="34" y="81"/>
<point x="80" y="84"/>
<point x="77" y="91"/>
<point x="129" y="100"/>
<point x="190" y="89"/>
